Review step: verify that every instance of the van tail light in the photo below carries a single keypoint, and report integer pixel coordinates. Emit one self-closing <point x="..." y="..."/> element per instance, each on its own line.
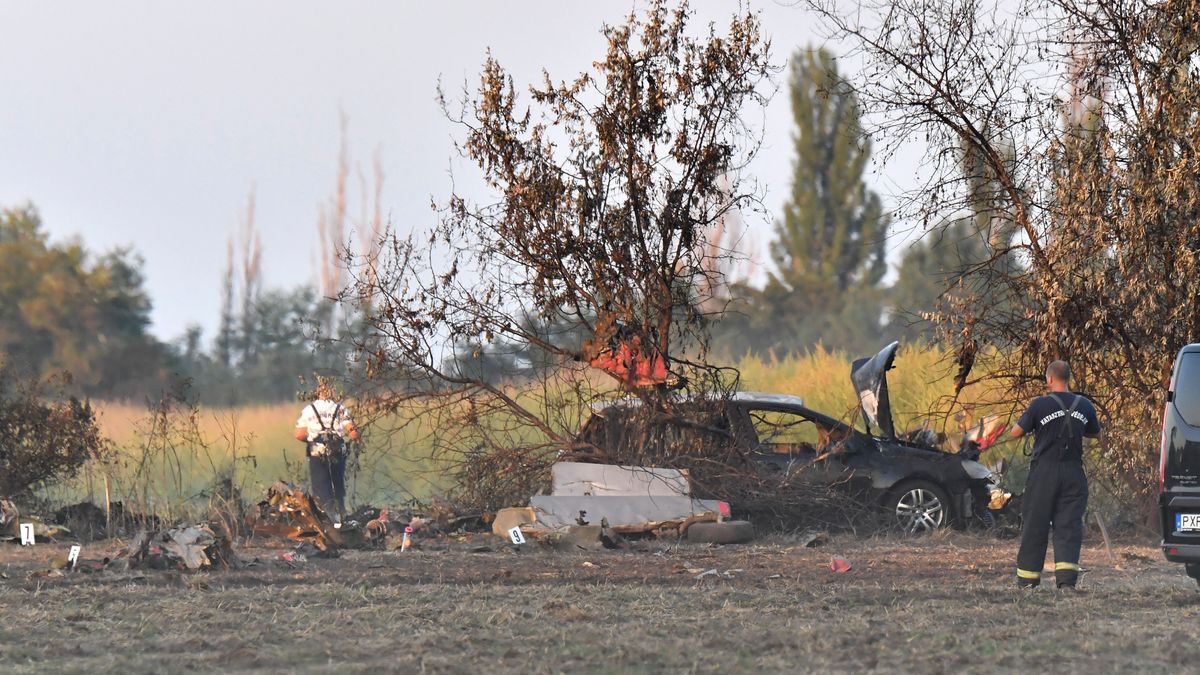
<point x="1162" y="452"/>
<point x="1173" y="551"/>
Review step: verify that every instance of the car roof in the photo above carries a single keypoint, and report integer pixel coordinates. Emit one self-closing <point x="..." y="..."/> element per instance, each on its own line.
<point x="752" y="397"/>
<point x="760" y="397"/>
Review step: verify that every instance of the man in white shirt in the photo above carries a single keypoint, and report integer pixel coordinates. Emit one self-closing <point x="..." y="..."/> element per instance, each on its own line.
<point x="325" y="427"/>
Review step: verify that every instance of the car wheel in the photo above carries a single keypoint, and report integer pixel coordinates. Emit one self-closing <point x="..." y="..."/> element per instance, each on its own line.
<point x="1193" y="571"/>
<point x="730" y="532"/>
<point x="919" y="506"/>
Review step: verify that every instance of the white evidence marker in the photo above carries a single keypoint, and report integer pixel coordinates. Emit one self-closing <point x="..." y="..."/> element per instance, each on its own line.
<point x="516" y="536"/>
<point x="73" y="555"/>
<point x="27" y="534"/>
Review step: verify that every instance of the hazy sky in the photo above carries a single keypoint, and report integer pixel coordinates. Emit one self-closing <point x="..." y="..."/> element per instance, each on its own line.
<point x="147" y="124"/>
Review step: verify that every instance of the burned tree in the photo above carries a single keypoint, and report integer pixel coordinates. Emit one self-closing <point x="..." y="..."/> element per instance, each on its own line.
<point x="1076" y="122"/>
<point x="603" y="188"/>
<point x="44" y="436"/>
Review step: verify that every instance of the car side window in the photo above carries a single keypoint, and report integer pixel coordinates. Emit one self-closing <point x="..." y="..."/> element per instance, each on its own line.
<point x="1187" y="388"/>
<point x="703" y="430"/>
<point x="784" y="432"/>
<point x="632" y="433"/>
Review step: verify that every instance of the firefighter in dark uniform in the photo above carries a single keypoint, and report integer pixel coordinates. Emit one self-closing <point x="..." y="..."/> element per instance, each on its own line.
<point x="1056" y="490"/>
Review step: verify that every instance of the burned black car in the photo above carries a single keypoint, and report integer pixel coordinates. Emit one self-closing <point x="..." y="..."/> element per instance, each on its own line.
<point x="925" y="488"/>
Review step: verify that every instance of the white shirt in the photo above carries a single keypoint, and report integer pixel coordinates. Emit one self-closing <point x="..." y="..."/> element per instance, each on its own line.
<point x="326" y="408"/>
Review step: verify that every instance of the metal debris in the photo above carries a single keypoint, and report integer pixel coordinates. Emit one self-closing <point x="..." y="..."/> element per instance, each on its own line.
<point x="292" y="513"/>
<point x="11" y="520"/>
<point x="189" y="545"/>
<point x="813" y="538"/>
<point x="184" y="547"/>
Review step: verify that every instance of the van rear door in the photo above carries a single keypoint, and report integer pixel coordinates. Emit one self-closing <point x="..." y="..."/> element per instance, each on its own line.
<point x="1180" y="501"/>
<point x="1182" y="424"/>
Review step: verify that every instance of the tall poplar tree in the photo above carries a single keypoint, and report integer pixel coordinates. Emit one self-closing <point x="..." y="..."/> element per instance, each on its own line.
<point x="829" y="251"/>
<point x="833" y="232"/>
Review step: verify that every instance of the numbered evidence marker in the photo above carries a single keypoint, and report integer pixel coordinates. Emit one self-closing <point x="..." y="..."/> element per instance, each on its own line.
<point x="27" y="534"/>
<point x="73" y="555"/>
<point x="516" y="536"/>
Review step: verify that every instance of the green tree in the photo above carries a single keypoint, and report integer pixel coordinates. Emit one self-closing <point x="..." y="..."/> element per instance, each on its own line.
<point x="833" y="232"/>
<point x="1103" y="191"/>
<point x="929" y="270"/>
<point x="830" y="247"/>
<point x="935" y="272"/>
<point x="64" y="309"/>
<point x="280" y="328"/>
<point x="281" y="333"/>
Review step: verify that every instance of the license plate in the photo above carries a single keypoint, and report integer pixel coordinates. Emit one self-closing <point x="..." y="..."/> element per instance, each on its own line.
<point x="1187" y="522"/>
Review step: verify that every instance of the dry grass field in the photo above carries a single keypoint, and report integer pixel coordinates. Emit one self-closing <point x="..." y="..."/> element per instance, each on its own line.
<point x="938" y="604"/>
<point x="943" y="603"/>
<point x="174" y="474"/>
<point x="251" y="446"/>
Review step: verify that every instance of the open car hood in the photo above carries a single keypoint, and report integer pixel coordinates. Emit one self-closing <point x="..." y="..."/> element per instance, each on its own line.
<point x="870" y="383"/>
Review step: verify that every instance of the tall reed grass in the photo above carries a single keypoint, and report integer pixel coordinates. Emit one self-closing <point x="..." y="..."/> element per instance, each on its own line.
<point x="920" y="385"/>
<point x="170" y="461"/>
<point x="181" y="462"/>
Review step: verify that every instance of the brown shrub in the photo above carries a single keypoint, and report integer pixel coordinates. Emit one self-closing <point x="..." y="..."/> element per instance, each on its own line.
<point x="43" y="437"/>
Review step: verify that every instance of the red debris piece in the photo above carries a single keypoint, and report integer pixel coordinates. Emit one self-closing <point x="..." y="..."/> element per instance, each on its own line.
<point x="839" y="565"/>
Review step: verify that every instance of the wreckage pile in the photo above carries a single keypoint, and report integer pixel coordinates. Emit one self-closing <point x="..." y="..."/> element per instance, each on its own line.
<point x="286" y="511"/>
<point x="623" y="501"/>
<point x="184" y="547"/>
<point x="290" y="512"/>
<point x="591" y="505"/>
<point x="11" y="520"/>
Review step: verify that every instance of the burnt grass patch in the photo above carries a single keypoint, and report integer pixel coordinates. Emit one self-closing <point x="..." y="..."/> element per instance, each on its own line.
<point x="943" y="603"/>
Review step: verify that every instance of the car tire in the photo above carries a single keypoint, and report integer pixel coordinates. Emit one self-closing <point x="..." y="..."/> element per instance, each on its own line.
<point x="1193" y="571"/>
<point x="919" y="507"/>
<point x="729" y="532"/>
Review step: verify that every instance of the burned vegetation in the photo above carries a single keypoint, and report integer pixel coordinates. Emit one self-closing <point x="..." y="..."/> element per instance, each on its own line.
<point x="44" y="436"/>
<point x="591" y="273"/>
<point x="588" y="274"/>
<point x="1061" y="142"/>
